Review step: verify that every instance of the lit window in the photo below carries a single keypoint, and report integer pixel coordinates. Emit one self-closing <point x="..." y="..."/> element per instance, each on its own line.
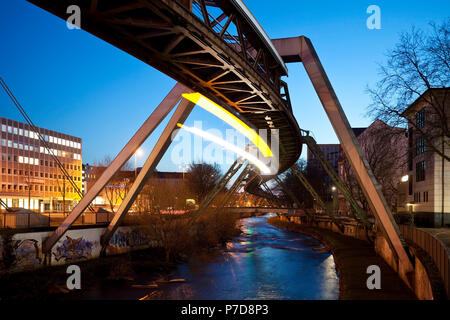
<point x="15" y="131"/>
<point x="21" y="132"/>
<point x="26" y="133"/>
<point x="20" y="159"/>
<point x="3" y="127"/>
<point x="9" y="129"/>
<point x="50" y="139"/>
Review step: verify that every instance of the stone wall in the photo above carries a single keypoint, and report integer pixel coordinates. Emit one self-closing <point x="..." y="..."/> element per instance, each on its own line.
<point x="75" y="245"/>
<point x="419" y="282"/>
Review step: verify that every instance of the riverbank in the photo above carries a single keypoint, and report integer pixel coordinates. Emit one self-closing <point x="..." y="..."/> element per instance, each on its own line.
<point x="352" y="257"/>
<point x="111" y="271"/>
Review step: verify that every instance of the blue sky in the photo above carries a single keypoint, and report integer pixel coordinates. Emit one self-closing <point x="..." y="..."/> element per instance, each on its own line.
<point x="73" y="82"/>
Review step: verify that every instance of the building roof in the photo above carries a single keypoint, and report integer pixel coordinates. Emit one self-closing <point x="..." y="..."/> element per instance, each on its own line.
<point x="358" y="131"/>
<point x="412" y="106"/>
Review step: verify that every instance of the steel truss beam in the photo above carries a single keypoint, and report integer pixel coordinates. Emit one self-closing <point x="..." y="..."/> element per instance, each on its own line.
<point x="175" y="38"/>
<point x="181" y="113"/>
<point x="298" y="173"/>
<point x="130" y="148"/>
<point x="340" y="185"/>
<point x="300" y="49"/>
<point x="273" y="198"/>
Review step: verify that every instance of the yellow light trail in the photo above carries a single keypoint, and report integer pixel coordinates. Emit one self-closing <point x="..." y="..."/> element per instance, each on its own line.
<point x="251" y="158"/>
<point x="231" y="119"/>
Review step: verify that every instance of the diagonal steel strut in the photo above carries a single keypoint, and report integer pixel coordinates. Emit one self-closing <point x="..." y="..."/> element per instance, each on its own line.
<point x="298" y="173"/>
<point x="236" y="185"/>
<point x="300" y="49"/>
<point x="219" y="186"/>
<point x="326" y="165"/>
<point x="180" y="115"/>
<point x="130" y="148"/>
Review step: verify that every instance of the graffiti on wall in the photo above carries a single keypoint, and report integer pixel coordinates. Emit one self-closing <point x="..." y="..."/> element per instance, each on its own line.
<point x="73" y="249"/>
<point x="123" y="241"/>
<point x="27" y="253"/>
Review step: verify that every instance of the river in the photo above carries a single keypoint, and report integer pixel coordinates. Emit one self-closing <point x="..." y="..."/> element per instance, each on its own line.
<point x="264" y="262"/>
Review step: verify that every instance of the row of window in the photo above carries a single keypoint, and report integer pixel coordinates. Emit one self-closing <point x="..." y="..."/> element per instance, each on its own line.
<point x="418" y="199"/>
<point x="35" y="161"/>
<point x="421" y="118"/>
<point x="420" y="171"/>
<point x="15" y="187"/>
<point x="22" y="203"/>
<point x="47" y="138"/>
<point x="26" y="147"/>
<point x="36" y="174"/>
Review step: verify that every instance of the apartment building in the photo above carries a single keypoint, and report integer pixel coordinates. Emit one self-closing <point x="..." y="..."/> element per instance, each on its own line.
<point x="29" y="176"/>
<point x="428" y="172"/>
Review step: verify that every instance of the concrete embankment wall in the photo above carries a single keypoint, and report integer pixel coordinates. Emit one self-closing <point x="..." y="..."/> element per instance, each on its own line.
<point x="419" y="282"/>
<point x="76" y="245"/>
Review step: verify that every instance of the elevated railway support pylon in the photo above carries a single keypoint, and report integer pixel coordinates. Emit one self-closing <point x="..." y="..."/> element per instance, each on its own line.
<point x="300" y="49"/>
<point x="157" y="116"/>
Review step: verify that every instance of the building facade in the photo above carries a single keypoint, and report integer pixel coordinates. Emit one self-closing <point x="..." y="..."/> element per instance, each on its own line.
<point x="29" y="176"/>
<point x="383" y="147"/>
<point x="331" y="151"/>
<point x="428" y="172"/>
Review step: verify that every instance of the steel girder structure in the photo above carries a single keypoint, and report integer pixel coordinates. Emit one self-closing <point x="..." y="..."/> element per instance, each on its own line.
<point x="300" y="49"/>
<point x="272" y="198"/>
<point x="298" y="173"/>
<point x="181" y="113"/>
<point x="236" y="184"/>
<point x="163" y="109"/>
<point x="214" y="47"/>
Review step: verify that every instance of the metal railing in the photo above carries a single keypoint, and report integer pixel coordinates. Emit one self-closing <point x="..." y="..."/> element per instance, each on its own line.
<point x="438" y="252"/>
<point x="28" y="220"/>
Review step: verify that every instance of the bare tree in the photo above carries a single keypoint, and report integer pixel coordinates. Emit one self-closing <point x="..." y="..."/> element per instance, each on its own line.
<point x="385" y="149"/>
<point x="418" y="63"/>
<point x="117" y="188"/>
<point x="202" y="178"/>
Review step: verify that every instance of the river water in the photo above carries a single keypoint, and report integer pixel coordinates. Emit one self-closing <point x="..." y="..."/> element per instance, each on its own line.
<point x="264" y="262"/>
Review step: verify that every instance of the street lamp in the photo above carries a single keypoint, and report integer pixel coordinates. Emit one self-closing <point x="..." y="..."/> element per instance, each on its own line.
<point x="183" y="168"/>
<point x="138" y="152"/>
<point x="335" y="199"/>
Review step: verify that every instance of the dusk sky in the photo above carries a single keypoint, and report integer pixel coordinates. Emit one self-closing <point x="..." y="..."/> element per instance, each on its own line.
<point x="73" y="82"/>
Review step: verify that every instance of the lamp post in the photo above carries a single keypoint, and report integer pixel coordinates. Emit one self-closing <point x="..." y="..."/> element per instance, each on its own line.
<point x="138" y="152"/>
<point x="335" y="199"/>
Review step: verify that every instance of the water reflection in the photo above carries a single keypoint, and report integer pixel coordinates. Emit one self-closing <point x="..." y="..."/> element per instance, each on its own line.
<point x="262" y="263"/>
